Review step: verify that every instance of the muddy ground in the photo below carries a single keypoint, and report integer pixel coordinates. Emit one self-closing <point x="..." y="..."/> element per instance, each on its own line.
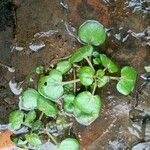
<point x="127" y="43"/>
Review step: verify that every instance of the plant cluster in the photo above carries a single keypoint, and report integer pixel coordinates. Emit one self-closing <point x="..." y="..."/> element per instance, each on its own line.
<point x="55" y="97"/>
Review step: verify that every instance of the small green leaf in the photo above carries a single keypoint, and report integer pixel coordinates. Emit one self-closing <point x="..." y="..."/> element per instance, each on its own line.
<point x="29" y="99"/>
<point x="69" y="144"/>
<point x="47" y="107"/>
<point x="51" y="86"/>
<point x="68" y="103"/>
<point x="81" y="53"/>
<point x="92" y="32"/>
<point x="39" y="70"/>
<point x="100" y="73"/>
<point x="102" y="81"/>
<point x="96" y="61"/>
<point x="16" y="119"/>
<point x="33" y="139"/>
<point x="30" y="118"/>
<point x="37" y="125"/>
<point x="86" y="75"/>
<point x="127" y="81"/>
<point x="63" y="66"/>
<point x="86" y="107"/>
<point x="107" y="63"/>
<point x="95" y="54"/>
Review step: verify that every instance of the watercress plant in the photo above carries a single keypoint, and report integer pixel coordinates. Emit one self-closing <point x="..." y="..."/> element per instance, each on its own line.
<point x="55" y="98"/>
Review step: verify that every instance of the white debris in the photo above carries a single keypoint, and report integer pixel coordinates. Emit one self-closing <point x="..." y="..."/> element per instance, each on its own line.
<point x="115" y="145"/>
<point x="134" y="131"/>
<point x="118" y="36"/>
<point x="48" y="146"/>
<point x="36" y="47"/>
<point x="11" y="69"/>
<point x="142" y="146"/>
<point x="17" y="48"/>
<point x="15" y="88"/>
<point x="45" y="34"/>
<point x="121" y="109"/>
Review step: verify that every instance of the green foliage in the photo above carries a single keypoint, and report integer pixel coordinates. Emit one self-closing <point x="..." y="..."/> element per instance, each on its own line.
<point x="58" y="98"/>
<point x="30" y="118"/>
<point x="92" y="32"/>
<point x="51" y="86"/>
<point x="86" y="75"/>
<point x="86" y="107"/>
<point x="47" y="107"/>
<point x="69" y="144"/>
<point x="108" y="64"/>
<point x="127" y="81"/>
<point x="102" y="81"/>
<point x="69" y="103"/>
<point x="16" y="119"/>
<point x="37" y="125"/>
<point x="33" y="139"/>
<point x="63" y="66"/>
<point x="81" y="53"/>
<point x="29" y="99"/>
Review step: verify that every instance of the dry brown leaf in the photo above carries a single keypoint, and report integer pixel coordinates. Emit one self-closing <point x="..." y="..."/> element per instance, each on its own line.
<point x="5" y="141"/>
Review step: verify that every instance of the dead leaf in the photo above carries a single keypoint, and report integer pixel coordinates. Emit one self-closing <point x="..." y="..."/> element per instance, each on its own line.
<point x="5" y="141"/>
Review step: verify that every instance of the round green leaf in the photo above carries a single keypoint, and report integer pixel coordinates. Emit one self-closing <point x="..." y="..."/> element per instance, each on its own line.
<point x="16" y="119"/>
<point x="102" y="81"/>
<point x="107" y="63"/>
<point x="81" y="53"/>
<point x="63" y="66"/>
<point x="69" y="144"/>
<point x="29" y="99"/>
<point x="86" y="75"/>
<point x="86" y="107"/>
<point x="100" y="73"/>
<point x="47" y="107"/>
<point x="127" y="81"/>
<point x="51" y="86"/>
<point x="30" y="118"/>
<point x="92" y="32"/>
<point x="33" y="139"/>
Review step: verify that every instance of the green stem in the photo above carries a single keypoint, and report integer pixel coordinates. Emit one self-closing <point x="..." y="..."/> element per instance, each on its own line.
<point x="77" y="66"/>
<point x="52" y="138"/>
<point x="70" y="82"/>
<point x="95" y="85"/>
<point x="114" y="78"/>
<point x="74" y="77"/>
<point x="89" y="62"/>
<point x="41" y="116"/>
